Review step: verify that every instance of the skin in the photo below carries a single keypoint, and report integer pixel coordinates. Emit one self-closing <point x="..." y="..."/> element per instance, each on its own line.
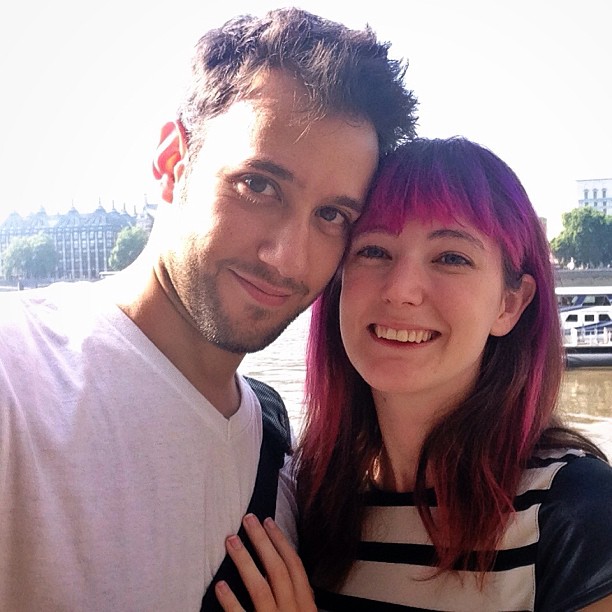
<point x="416" y="310"/>
<point x="254" y="228"/>
<point x="603" y="605"/>
<point x="285" y="587"/>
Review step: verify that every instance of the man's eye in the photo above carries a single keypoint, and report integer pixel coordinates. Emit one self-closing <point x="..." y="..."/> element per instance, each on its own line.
<point x="259" y="185"/>
<point x="333" y="215"/>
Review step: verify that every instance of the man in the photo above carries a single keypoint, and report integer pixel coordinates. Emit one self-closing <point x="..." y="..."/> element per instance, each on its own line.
<point x="128" y="443"/>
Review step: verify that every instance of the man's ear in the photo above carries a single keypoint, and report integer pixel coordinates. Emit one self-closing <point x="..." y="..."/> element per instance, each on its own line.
<point x="513" y="305"/>
<point x="170" y="158"/>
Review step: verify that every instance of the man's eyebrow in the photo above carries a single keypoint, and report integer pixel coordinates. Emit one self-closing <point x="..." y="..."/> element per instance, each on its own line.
<point x="283" y="173"/>
<point x="454" y="233"/>
<point x="347" y="202"/>
<point x="271" y="167"/>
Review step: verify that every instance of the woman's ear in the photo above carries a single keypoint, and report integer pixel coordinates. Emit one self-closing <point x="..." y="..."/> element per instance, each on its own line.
<point x="513" y="305"/>
<point x="170" y="158"/>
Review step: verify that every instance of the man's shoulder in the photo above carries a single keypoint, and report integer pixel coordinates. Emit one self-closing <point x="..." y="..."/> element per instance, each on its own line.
<point x="47" y="326"/>
<point x="274" y="413"/>
<point x="50" y="298"/>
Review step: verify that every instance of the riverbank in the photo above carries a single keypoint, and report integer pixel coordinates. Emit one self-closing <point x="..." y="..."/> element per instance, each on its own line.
<point x="595" y="277"/>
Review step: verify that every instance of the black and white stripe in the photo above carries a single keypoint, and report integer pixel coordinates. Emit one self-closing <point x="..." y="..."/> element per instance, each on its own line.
<point x="396" y="565"/>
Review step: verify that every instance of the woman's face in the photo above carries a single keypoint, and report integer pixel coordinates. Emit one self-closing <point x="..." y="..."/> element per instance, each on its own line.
<point x="416" y="309"/>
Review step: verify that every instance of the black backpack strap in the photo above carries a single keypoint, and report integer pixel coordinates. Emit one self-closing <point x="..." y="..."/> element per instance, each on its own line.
<point x="276" y="443"/>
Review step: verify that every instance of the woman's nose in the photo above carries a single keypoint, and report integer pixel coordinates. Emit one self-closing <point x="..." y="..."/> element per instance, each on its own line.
<point x="405" y="284"/>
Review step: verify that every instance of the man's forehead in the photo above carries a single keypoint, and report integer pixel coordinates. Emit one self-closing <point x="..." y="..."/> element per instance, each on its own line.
<point x="278" y="88"/>
<point x="254" y="127"/>
<point x="278" y="93"/>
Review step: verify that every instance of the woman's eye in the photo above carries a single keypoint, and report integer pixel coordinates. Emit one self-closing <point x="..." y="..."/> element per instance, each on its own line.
<point x="333" y="215"/>
<point x="372" y="252"/>
<point x="454" y="259"/>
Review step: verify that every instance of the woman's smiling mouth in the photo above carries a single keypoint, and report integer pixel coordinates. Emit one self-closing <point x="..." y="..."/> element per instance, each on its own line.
<point x="415" y="336"/>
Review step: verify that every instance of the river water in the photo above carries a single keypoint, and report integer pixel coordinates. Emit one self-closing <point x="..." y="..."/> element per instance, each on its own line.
<point x="586" y="394"/>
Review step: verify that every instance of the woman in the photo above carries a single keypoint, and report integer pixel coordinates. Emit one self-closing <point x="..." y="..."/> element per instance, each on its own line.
<point x="432" y="472"/>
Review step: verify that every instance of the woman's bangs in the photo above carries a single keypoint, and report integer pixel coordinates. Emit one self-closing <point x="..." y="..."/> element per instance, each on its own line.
<point x="402" y="193"/>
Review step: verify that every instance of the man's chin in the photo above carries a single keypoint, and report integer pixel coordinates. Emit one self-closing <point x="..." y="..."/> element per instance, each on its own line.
<point x="251" y="342"/>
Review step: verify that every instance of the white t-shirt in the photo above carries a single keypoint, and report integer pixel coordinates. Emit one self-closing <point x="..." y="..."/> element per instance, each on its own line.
<point x="119" y="481"/>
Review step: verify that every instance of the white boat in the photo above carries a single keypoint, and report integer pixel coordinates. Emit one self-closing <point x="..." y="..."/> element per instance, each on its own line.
<point x="586" y="320"/>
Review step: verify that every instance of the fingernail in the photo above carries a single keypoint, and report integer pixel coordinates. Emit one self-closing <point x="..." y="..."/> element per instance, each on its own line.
<point x="250" y="519"/>
<point x="222" y="586"/>
<point x="234" y="542"/>
<point x="269" y="523"/>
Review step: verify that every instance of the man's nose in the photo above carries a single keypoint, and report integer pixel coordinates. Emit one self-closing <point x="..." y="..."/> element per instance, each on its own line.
<point x="287" y="248"/>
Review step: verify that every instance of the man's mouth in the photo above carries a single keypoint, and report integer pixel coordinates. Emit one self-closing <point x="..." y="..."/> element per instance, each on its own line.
<point x="263" y="292"/>
<point x="413" y="336"/>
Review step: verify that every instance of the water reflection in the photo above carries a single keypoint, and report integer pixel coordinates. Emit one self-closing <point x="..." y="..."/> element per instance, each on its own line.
<point x="585" y="400"/>
<point x="282" y="365"/>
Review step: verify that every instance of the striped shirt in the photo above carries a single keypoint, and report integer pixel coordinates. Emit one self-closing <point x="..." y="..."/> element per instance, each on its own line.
<point x="555" y="554"/>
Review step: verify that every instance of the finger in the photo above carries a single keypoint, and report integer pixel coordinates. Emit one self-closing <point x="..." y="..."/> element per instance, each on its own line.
<point x="255" y="583"/>
<point x="299" y="579"/>
<point x="276" y="570"/>
<point x="226" y="598"/>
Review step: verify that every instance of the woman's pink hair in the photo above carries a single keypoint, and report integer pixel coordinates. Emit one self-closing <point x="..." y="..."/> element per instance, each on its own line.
<point x="477" y="453"/>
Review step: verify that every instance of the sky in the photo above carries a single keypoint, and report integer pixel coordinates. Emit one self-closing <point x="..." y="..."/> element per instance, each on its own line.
<point x="85" y="87"/>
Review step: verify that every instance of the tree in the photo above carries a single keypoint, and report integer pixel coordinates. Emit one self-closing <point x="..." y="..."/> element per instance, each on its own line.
<point x="44" y="256"/>
<point x="16" y="257"/>
<point x="586" y="236"/>
<point x="130" y="243"/>
<point x="31" y="257"/>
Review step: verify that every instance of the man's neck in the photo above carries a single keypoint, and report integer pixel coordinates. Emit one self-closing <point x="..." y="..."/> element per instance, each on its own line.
<point x="211" y="370"/>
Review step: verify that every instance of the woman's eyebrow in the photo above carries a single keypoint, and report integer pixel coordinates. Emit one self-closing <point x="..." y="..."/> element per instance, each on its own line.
<point x="454" y="233"/>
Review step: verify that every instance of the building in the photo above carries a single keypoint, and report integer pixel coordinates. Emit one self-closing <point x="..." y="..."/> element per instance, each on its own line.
<point x="596" y="193"/>
<point x="83" y="241"/>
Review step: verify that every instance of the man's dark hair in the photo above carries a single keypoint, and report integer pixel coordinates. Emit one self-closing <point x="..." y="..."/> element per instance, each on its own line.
<point x="344" y="71"/>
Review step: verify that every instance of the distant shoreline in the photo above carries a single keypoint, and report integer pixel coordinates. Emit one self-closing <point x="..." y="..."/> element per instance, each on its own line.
<point x="591" y="277"/>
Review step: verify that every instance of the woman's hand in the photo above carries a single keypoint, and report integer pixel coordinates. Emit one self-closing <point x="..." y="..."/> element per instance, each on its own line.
<point x="285" y="587"/>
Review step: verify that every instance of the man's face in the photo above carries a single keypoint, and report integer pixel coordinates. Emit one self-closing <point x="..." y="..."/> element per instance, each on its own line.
<point x="264" y="213"/>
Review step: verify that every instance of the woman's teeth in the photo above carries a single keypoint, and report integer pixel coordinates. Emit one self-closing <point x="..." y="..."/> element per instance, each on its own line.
<point x="403" y="335"/>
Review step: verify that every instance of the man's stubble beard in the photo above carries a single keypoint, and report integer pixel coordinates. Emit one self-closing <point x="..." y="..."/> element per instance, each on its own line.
<point x="198" y="293"/>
